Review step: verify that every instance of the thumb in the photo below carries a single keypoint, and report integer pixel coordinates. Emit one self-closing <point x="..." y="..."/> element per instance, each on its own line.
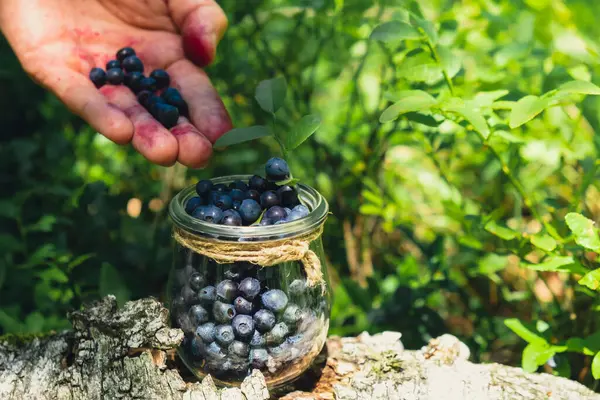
<point x="202" y="24"/>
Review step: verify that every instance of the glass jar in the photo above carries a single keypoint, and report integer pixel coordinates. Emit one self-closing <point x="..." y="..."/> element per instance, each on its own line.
<point x="239" y="316"/>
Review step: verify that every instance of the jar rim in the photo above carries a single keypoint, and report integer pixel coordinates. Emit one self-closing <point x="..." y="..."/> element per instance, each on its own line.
<point x="308" y="196"/>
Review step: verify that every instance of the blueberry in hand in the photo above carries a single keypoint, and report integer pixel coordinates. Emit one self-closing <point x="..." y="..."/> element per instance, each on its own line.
<point x="257" y="183"/>
<point x="277" y="169"/>
<point x="277" y="334"/>
<point x="250" y="211"/>
<point x="113" y="64"/>
<point x="132" y="63"/>
<point x="98" y="77"/>
<point x="174" y="98"/>
<point x="133" y="80"/>
<point x="148" y="84"/>
<point x="274" y="300"/>
<point x="231" y="218"/>
<point x="292" y="315"/>
<point x="223" y="312"/>
<point x="207" y="295"/>
<point x="167" y="115"/>
<point x="192" y="204"/>
<point x="203" y="187"/>
<point x="224" y="202"/>
<point x="114" y="76"/>
<point x="198" y="315"/>
<point x="275" y="214"/>
<point x="144" y="97"/>
<point x="249" y="288"/>
<point x="206" y="332"/>
<point x="161" y="77"/>
<point x="264" y="320"/>
<point x="259" y="358"/>
<point x="243" y="306"/>
<point x="269" y="199"/>
<point x="196" y="281"/>
<point x="224" y="335"/>
<point x="252" y="194"/>
<point x="257" y="340"/>
<point x="227" y="290"/>
<point x="240" y="349"/>
<point x="288" y="197"/>
<point x="243" y="326"/>
<point x="152" y="103"/>
<point x="125" y="52"/>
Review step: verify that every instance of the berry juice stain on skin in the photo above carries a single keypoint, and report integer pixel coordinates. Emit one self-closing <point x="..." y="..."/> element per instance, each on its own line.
<point x="197" y="44"/>
<point x="182" y="128"/>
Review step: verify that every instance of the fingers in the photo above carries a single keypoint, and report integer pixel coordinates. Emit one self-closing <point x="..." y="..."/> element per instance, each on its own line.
<point x="207" y="111"/>
<point x="82" y="97"/>
<point x="150" y="138"/>
<point x="202" y="24"/>
<point x="194" y="149"/>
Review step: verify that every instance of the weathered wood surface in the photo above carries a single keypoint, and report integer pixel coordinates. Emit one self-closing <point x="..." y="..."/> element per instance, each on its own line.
<point x="126" y="354"/>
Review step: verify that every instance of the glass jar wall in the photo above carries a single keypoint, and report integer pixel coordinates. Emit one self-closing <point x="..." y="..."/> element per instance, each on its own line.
<point x="239" y="316"/>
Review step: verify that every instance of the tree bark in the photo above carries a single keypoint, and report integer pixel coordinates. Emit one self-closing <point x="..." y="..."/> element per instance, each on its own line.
<point x="129" y="354"/>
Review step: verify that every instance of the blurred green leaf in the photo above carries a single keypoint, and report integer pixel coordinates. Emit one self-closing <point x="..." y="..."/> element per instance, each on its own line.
<point x="555" y="263"/>
<point x="111" y="282"/>
<point x="591" y="279"/>
<point x="524" y="333"/>
<point x="45" y="224"/>
<point x="596" y="366"/>
<point x="426" y="26"/>
<point x="536" y="354"/>
<point x="475" y="118"/>
<point x="78" y="261"/>
<point x="579" y="87"/>
<point x="407" y="101"/>
<point x="585" y="232"/>
<point x="543" y="241"/>
<point x="420" y="68"/>
<point x="301" y="131"/>
<point x="500" y="231"/>
<point x="270" y="94"/>
<point x="526" y="109"/>
<point x="8" y="209"/>
<point x="9" y="244"/>
<point x="393" y="31"/>
<point x="241" y="135"/>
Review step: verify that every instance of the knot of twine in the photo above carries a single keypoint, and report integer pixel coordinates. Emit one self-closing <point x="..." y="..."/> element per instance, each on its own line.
<point x="265" y="254"/>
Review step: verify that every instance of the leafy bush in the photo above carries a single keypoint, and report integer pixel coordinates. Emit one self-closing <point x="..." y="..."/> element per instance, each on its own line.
<point x="457" y="150"/>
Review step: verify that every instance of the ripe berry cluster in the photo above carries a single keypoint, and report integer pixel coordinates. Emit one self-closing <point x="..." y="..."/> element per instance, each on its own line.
<point x="236" y="321"/>
<point x="129" y="69"/>
<point x="243" y="203"/>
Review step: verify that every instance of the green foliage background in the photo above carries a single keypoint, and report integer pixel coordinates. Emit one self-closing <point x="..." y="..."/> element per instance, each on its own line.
<point x="458" y="209"/>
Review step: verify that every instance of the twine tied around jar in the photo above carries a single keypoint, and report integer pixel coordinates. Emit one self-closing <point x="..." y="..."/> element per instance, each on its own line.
<point x="265" y="254"/>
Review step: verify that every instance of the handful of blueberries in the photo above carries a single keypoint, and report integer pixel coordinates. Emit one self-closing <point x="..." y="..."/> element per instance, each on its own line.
<point x="129" y="69"/>
<point x="259" y="200"/>
<point x="235" y="320"/>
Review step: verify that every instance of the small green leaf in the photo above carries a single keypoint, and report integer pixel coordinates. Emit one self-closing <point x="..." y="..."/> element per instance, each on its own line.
<point x="450" y="61"/>
<point x="241" y="135"/>
<point x="522" y="331"/>
<point x="536" y="354"/>
<point x="457" y="106"/>
<point x="43" y="225"/>
<point x="526" y="109"/>
<point x="408" y="101"/>
<point x="544" y="242"/>
<point x="78" y="261"/>
<point x="301" y="131"/>
<point x="500" y="231"/>
<point x="290" y="182"/>
<point x="591" y="279"/>
<point x="270" y="94"/>
<point x="426" y="26"/>
<point x="370" y="209"/>
<point x="585" y="232"/>
<point x="420" y="68"/>
<point x="394" y="30"/>
<point x="556" y="263"/>
<point x="596" y="366"/>
<point x="112" y="283"/>
<point x="424" y="119"/>
<point x="580" y="87"/>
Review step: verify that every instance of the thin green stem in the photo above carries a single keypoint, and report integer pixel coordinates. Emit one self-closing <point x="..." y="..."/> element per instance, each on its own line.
<point x="438" y="60"/>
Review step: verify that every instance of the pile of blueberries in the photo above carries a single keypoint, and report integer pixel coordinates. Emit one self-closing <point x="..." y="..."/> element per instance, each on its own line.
<point x="166" y="107"/>
<point x="258" y="201"/>
<point x="236" y="317"/>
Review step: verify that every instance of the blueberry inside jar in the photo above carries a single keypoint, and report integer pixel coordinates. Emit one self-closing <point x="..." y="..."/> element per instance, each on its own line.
<point x="268" y="312"/>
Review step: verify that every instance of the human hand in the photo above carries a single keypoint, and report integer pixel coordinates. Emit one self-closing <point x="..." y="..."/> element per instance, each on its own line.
<point x="59" y="41"/>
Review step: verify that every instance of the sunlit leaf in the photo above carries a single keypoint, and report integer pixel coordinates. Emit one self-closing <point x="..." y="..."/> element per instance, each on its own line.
<point x="500" y="231"/>
<point x="526" y="109"/>
<point x="580" y="87"/>
<point x="407" y="101"/>
<point x="536" y="354"/>
<point x="522" y="331"/>
<point x="301" y="131"/>
<point x="585" y="232"/>
<point x="241" y="135"/>
<point x="426" y="26"/>
<point x="596" y="366"/>
<point x="472" y="116"/>
<point x="544" y="242"/>
<point x="555" y="263"/>
<point x="394" y="30"/>
<point x="270" y="94"/>
<point x="591" y="279"/>
<point x="420" y="68"/>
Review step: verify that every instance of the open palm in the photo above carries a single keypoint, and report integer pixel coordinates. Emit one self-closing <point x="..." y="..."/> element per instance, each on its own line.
<point x="59" y="41"/>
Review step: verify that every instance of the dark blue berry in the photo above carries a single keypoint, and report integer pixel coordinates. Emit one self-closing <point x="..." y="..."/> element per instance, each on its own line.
<point x="132" y="63"/>
<point x="161" y="77"/>
<point x="264" y="320"/>
<point x="238" y="185"/>
<point x="188" y="294"/>
<point x="288" y="197"/>
<point x="275" y="214"/>
<point x="250" y="211"/>
<point x="257" y="340"/>
<point x="292" y="315"/>
<point x="278" y="334"/>
<point x="236" y="206"/>
<point x="192" y="204"/>
<point x="124" y="53"/>
<point x="174" y="98"/>
<point x="237" y="195"/>
<point x="167" y="115"/>
<point x="144" y="98"/>
<point x="113" y="64"/>
<point x="221" y="188"/>
<point x="152" y="103"/>
<point x="269" y="199"/>
<point x="297" y="287"/>
<point x="274" y="300"/>
<point x="224" y="335"/>
<point x="231" y="218"/>
<point x="98" y="77"/>
<point x="277" y="169"/>
<point x="215" y="352"/>
<point x="213" y="196"/>
<point x="133" y="81"/>
<point x="196" y="281"/>
<point x="207" y="295"/>
<point x="240" y="349"/>
<point x="223" y="312"/>
<point x="249" y="288"/>
<point x="298" y="212"/>
<point x="114" y="76"/>
<point x="206" y="332"/>
<point x="243" y="306"/>
<point x="198" y="315"/>
<point x="148" y="84"/>
<point x="253" y="194"/>
<point x="198" y="348"/>
<point x="259" y="358"/>
<point x="227" y="290"/>
<point x="203" y="187"/>
<point x="224" y="202"/>
<point x="243" y="326"/>
<point x="211" y="214"/>
<point x="257" y="183"/>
